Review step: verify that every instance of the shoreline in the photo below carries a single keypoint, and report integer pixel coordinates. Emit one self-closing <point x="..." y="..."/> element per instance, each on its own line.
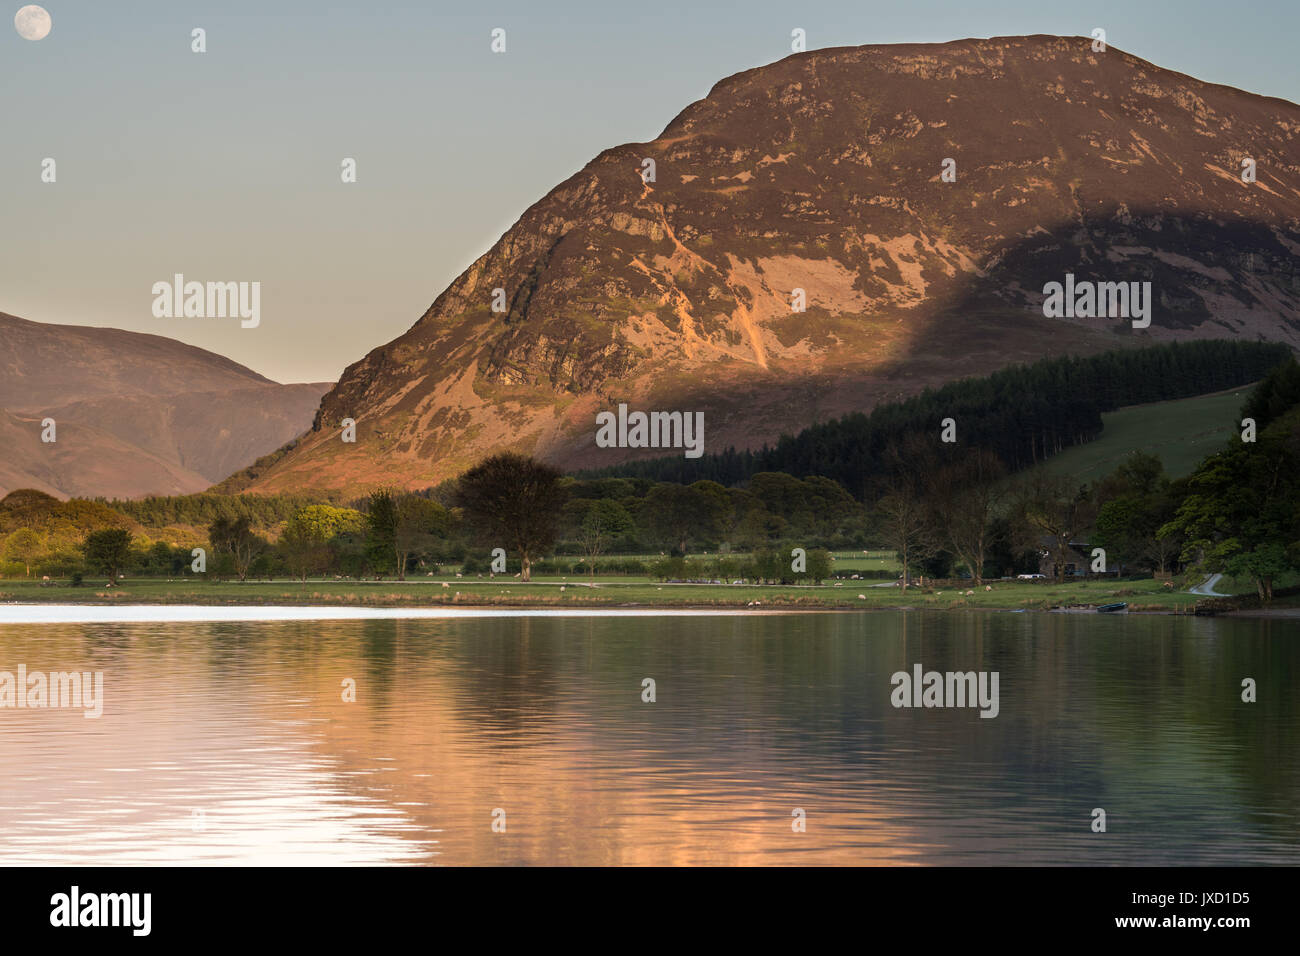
<point x="77" y="612"/>
<point x="458" y="597"/>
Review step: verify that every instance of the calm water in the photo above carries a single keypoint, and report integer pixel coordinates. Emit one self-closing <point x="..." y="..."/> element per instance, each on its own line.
<point x="231" y="743"/>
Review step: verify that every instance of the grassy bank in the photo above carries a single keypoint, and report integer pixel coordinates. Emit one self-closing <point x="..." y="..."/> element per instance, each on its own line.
<point x="612" y="592"/>
<point x="1180" y="432"/>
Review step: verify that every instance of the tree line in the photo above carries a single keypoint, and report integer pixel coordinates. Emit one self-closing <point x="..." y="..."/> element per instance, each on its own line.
<point x="531" y="511"/>
<point x="1023" y="415"/>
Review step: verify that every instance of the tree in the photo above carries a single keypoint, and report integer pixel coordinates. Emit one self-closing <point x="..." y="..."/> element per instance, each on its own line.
<point x="1275" y="395"/>
<point x="595" y="524"/>
<point x="1239" y="514"/>
<point x="677" y="514"/>
<point x="381" y="531"/>
<point x="1135" y="503"/>
<point x="905" y="520"/>
<point x="964" y="497"/>
<point x="235" y="537"/>
<point x="418" y="525"/>
<point x="24" y="546"/>
<point x="516" y="500"/>
<point x="905" y="525"/>
<point x="819" y="565"/>
<point x="1052" y="506"/>
<point x="752" y="525"/>
<point x="108" y="550"/>
<point x="1262" y="564"/>
<point x="305" y="541"/>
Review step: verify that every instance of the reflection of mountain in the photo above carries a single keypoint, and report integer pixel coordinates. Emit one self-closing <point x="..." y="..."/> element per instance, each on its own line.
<point x="755" y="716"/>
<point x="821" y="173"/>
<point x="135" y="414"/>
<point x="758" y="715"/>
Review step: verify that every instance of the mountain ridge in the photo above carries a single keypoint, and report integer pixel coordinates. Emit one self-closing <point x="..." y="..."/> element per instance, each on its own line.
<point x="821" y="172"/>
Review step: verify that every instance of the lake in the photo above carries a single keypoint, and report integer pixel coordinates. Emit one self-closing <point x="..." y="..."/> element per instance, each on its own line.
<point x="523" y="738"/>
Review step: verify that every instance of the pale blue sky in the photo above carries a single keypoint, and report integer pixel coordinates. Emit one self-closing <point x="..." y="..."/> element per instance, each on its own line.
<point x="225" y="165"/>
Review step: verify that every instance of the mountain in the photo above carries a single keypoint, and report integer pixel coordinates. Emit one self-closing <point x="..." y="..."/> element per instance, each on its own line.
<point x="135" y="414"/>
<point x="44" y="365"/>
<point x="85" y="462"/>
<point x="822" y="173"/>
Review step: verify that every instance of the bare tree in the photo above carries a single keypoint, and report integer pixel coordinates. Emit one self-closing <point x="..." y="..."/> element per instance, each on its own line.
<point x="963" y="497"/>
<point x="236" y="537"/>
<point x="905" y="523"/>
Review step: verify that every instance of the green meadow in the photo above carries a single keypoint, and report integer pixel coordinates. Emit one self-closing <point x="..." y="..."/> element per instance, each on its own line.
<point x="1181" y="432"/>
<point x="1147" y="594"/>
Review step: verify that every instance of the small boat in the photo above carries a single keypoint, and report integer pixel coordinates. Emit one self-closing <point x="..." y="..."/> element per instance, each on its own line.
<point x="1107" y="608"/>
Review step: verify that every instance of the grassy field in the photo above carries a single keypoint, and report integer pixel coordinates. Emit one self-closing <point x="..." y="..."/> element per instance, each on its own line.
<point x="1146" y="595"/>
<point x="845" y="561"/>
<point x="1181" y="432"/>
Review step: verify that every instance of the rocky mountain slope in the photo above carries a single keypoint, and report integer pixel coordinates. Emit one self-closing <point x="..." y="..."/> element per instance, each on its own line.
<point x="134" y="414"/>
<point x="822" y="173"/>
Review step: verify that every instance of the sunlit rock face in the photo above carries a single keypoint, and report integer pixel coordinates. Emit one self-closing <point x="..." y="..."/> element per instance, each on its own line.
<point x="819" y="181"/>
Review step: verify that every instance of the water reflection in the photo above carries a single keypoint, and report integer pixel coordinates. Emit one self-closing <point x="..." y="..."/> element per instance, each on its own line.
<point x="542" y="717"/>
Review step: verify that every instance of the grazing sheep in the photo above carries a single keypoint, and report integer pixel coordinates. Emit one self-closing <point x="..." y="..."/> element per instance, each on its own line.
<point x="445" y="584"/>
<point x="862" y="597"/>
<point x="969" y="593"/>
<point x="988" y="587"/>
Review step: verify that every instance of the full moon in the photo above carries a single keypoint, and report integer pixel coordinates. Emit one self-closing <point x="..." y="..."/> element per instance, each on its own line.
<point x="32" y="22"/>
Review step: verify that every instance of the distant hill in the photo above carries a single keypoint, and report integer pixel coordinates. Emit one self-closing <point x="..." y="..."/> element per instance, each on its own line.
<point x="85" y="462"/>
<point x="135" y="414"/>
<point x="821" y="174"/>
<point x="45" y="365"/>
